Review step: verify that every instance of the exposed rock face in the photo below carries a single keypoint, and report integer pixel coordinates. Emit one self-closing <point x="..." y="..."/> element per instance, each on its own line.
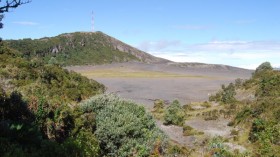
<point x="141" y="55"/>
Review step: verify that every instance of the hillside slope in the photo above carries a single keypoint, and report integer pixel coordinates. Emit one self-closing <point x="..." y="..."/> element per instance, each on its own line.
<point x="40" y="111"/>
<point x="254" y="104"/>
<point x="81" y="48"/>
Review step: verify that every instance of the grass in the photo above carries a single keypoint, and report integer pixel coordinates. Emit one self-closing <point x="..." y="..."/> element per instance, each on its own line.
<point x="194" y="112"/>
<point x="127" y="73"/>
<point x="189" y="131"/>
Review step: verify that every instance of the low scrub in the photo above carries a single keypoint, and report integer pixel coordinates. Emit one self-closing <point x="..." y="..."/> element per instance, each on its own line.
<point x="123" y="128"/>
<point x="158" y="110"/>
<point x="174" y="114"/>
<point x="189" y="131"/>
<point x="260" y="116"/>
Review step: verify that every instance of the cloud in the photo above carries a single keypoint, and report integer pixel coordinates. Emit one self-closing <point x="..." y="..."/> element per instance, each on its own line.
<point x="238" y="46"/>
<point x="182" y="57"/>
<point x="158" y="45"/>
<point x="26" y="23"/>
<point x="191" y="27"/>
<point x="245" y="54"/>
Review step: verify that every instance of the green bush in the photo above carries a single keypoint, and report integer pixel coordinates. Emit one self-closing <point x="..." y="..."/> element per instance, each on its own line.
<point x="263" y="67"/>
<point x="226" y="95"/>
<point x="123" y="128"/>
<point x="238" y="82"/>
<point x="158" y="109"/>
<point x="174" y="114"/>
<point x="206" y="104"/>
<point x="43" y="133"/>
<point x="175" y="150"/>
<point x="217" y="148"/>
<point x="189" y="131"/>
<point x="158" y="106"/>
<point x="216" y="97"/>
<point x="260" y="115"/>
<point x="36" y="116"/>
<point x="269" y="84"/>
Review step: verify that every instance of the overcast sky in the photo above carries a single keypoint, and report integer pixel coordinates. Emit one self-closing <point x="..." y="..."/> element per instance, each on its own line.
<point x="242" y="33"/>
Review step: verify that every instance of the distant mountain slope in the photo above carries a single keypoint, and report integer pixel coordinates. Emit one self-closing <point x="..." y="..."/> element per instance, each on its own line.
<point x="81" y="48"/>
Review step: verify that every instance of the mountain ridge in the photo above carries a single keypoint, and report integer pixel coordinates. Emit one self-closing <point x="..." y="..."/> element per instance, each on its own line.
<point x="93" y="48"/>
<point x="80" y="48"/>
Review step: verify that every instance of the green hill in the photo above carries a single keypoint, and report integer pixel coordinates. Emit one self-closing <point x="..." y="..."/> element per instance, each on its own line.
<point x="81" y="48"/>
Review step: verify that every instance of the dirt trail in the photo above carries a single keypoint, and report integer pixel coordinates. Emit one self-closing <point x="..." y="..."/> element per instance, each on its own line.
<point x="175" y="133"/>
<point x="212" y="127"/>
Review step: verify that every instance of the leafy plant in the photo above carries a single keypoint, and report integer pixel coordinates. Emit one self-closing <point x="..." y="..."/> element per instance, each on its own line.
<point x="188" y="131"/>
<point x="263" y="67"/>
<point x="174" y="114"/>
<point x="123" y="128"/>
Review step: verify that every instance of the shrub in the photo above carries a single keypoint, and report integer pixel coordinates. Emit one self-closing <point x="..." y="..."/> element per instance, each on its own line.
<point x="158" y="109"/>
<point x="216" y="97"/>
<point x="263" y="67"/>
<point x="189" y="131"/>
<point x="123" y="128"/>
<point x="206" y="104"/>
<point x="217" y="148"/>
<point x="83" y="144"/>
<point x="158" y="106"/>
<point x="245" y="113"/>
<point x="238" y="82"/>
<point x="266" y="135"/>
<point x="188" y="107"/>
<point x="211" y="115"/>
<point x="175" y="150"/>
<point x="228" y="94"/>
<point x="234" y="132"/>
<point x="269" y="85"/>
<point x="174" y="114"/>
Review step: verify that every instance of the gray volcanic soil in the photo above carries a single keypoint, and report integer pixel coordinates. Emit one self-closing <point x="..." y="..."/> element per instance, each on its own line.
<point x="145" y="90"/>
<point x="185" y="89"/>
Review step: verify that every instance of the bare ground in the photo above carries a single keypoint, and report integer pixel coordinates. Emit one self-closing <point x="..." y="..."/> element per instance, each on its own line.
<point x="143" y="83"/>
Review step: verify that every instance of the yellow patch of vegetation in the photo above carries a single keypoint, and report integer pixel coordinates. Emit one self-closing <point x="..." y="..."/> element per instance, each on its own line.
<point x="127" y="73"/>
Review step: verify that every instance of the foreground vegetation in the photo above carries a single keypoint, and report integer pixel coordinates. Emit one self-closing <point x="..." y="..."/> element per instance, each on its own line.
<point x="251" y="107"/>
<point x="48" y="111"/>
<point x="256" y="110"/>
<point x="124" y="128"/>
<point x="41" y="114"/>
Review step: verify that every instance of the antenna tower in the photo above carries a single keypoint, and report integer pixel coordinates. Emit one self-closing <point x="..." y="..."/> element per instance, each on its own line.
<point x="92" y="22"/>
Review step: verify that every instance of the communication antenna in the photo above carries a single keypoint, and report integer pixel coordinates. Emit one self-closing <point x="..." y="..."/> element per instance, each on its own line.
<point x="92" y="22"/>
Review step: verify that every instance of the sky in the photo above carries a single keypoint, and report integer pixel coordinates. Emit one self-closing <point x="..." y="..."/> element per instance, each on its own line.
<point x="241" y="33"/>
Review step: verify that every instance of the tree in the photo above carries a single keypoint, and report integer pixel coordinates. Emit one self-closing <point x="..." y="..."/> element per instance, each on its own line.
<point x="174" y="114"/>
<point x="264" y="66"/>
<point x="8" y="4"/>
